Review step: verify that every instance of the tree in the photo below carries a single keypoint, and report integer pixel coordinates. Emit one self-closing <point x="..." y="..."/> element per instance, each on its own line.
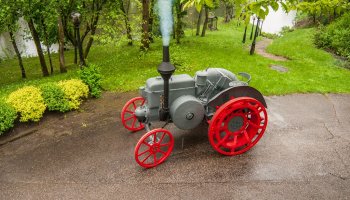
<point x="179" y="23"/>
<point x="145" y="25"/>
<point x="31" y="10"/>
<point x="328" y="9"/>
<point x="199" y="21"/>
<point x="61" y="45"/>
<point x="228" y="5"/>
<point x="199" y="4"/>
<point x="9" y="17"/>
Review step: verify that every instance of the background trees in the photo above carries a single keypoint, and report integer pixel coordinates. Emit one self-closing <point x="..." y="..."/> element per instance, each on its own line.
<point x="134" y="22"/>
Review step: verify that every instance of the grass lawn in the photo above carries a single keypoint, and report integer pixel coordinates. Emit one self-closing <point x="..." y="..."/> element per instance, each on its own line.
<point x="126" y="68"/>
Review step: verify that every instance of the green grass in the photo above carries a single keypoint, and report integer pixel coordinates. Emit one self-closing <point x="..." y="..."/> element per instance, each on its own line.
<point x="126" y="68"/>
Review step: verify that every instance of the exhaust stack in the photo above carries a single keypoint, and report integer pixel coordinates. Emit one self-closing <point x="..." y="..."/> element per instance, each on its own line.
<point x="166" y="70"/>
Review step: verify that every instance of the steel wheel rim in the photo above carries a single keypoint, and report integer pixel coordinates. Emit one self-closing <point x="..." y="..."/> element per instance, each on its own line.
<point x="234" y="142"/>
<point x="128" y="117"/>
<point x="154" y="149"/>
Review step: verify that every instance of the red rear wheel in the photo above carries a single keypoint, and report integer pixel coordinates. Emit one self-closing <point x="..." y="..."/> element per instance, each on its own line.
<point x="154" y="148"/>
<point x="128" y="117"/>
<point x="237" y="126"/>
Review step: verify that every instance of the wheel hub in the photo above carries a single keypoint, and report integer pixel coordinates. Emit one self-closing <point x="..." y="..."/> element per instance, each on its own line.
<point x="154" y="148"/>
<point x="235" y="123"/>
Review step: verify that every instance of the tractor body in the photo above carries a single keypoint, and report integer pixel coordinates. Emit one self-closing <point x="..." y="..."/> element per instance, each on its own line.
<point x="189" y="97"/>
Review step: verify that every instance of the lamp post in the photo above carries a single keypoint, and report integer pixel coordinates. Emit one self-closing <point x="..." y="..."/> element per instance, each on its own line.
<point x="76" y="21"/>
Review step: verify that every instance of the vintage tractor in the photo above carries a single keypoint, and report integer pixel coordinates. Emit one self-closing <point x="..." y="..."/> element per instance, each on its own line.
<point x="235" y="112"/>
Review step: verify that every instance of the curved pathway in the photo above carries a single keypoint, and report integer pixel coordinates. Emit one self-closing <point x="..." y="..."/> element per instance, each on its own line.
<point x="260" y="49"/>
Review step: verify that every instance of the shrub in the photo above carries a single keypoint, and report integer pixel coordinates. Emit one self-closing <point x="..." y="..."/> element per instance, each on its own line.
<point x="54" y="97"/>
<point x="7" y="117"/>
<point x="91" y="76"/>
<point x="28" y="102"/>
<point x="335" y="36"/>
<point x="74" y="90"/>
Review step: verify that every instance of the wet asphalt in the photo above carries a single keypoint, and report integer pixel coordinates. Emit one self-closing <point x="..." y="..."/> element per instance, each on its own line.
<point x="87" y="154"/>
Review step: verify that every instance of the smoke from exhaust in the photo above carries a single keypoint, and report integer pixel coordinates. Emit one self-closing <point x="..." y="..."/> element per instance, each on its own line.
<point x="166" y="20"/>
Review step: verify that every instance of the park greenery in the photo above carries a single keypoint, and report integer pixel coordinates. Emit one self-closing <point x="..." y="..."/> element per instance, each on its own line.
<point x="116" y="46"/>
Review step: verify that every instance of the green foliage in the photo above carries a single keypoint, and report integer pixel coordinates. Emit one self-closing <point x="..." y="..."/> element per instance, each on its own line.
<point x="54" y="97"/>
<point x="28" y="102"/>
<point x="269" y="35"/>
<point x="322" y="7"/>
<point x="7" y="117"/>
<point x="286" y="29"/>
<point x="91" y="76"/>
<point x="75" y="91"/>
<point x="335" y="37"/>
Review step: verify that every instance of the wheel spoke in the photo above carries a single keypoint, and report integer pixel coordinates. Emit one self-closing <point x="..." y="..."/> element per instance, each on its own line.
<point x="161" y="139"/>
<point x="143" y="152"/>
<point x="165" y="145"/>
<point x="234" y="143"/>
<point x="133" y="123"/>
<point x="128" y="118"/>
<point x="128" y="111"/>
<point x="222" y="140"/>
<point x="162" y="152"/>
<point x="146" y="144"/>
<point x="146" y="158"/>
<point x="247" y="136"/>
<point x="134" y="105"/>
<point x="143" y="102"/>
<point x="254" y="125"/>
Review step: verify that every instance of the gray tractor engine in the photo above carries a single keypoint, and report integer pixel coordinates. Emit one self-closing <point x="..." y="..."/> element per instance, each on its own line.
<point x="188" y="96"/>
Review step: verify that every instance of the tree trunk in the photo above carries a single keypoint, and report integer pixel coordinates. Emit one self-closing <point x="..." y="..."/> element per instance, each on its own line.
<point x="91" y="39"/>
<point x="19" y="57"/>
<point x="150" y="23"/>
<point x="178" y="31"/>
<point x="61" y="45"/>
<point x="50" y="59"/>
<point x="75" y="43"/>
<point x="262" y="23"/>
<point x="252" y="49"/>
<point x="205" y="25"/>
<point x="251" y="33"/>
<point x="145" y="25"/>
<point x="227" y="14"/>
<point x="126" y="21"/>
<point x="47" y="45"/>
<point x="38" y="47"/>
<point x="199" y="22"/>
<point x="245" y="34"/>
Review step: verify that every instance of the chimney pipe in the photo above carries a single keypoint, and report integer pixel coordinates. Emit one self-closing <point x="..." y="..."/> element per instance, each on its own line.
<point x="166" y="70"/>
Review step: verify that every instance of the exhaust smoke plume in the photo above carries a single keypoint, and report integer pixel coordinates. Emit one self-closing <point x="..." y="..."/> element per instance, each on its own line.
<point x="166" y="19"/>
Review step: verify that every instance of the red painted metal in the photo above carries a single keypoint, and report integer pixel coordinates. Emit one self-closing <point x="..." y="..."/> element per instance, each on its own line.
<point x="154" y="148"/>
<point x="128" y="117"/>
<point x="253" y="116"/>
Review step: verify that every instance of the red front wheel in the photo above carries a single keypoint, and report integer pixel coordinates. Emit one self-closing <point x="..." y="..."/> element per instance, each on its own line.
<point x="237" y="126"/>
<point x="154" y="148"/>
<point x="128" y="117"/>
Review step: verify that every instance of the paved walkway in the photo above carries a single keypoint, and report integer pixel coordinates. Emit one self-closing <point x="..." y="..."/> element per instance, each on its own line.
<point x="88" y="155"/>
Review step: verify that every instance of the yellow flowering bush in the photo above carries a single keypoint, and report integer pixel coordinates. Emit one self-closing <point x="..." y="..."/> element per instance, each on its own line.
<point x="28" y="102"/>
<point x="74" y="90"/>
